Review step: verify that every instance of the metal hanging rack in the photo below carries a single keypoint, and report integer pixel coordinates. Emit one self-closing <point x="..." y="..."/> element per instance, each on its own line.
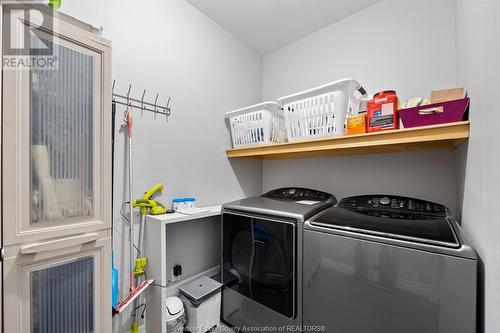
<point x="141" y="104"/>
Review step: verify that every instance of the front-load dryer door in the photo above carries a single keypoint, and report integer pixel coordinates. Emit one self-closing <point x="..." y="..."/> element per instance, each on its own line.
<point x="259" y="260"/>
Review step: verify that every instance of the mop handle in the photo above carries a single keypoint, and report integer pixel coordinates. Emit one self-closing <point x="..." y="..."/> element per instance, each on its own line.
<point x="130" y="194"/>
<point x="129" y="121"/>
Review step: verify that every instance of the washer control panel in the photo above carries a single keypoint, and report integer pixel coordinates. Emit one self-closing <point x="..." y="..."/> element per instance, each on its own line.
<point x="298" y="194"/>
<point x="393" y="203"/>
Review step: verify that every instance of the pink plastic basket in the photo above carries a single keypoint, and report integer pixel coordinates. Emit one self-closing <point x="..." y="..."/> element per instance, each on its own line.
<point x="434" y="114"/>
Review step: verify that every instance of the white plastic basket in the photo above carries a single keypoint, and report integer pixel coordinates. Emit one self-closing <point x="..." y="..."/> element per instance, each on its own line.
<point x="258" y="124"/>
<point x="320" y="111"/>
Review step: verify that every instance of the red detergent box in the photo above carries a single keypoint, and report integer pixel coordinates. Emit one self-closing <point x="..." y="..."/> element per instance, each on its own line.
<point x="382" y="112"/>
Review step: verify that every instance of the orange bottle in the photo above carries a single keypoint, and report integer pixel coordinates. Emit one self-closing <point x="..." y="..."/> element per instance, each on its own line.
<point x="356" y="124"/>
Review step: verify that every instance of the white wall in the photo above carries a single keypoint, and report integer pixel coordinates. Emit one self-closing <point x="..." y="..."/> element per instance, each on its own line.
<point x="405" y="45"/>
<point x="171" y="48"/>
<point x="478" y="69"/>
<point x="429" y="175"/>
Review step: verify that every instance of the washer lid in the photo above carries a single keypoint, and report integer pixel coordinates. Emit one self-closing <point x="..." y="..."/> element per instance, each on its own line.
<point x="292" y="202"/>
<point x="417" y="228"/>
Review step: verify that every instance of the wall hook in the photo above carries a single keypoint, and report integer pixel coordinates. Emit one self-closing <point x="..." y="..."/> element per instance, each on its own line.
<point x="156" y="100"/>
<point x="167" y="109"/>
<point x="142" y="101"/>
<point x="128" y="94"/>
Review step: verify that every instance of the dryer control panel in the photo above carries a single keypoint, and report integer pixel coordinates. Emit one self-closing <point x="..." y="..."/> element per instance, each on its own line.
<point x="298" y="194"/>
<point x="394" y="204"/>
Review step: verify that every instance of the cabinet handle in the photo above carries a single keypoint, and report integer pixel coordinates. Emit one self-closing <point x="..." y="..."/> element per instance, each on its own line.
<point x="59" y="243"/>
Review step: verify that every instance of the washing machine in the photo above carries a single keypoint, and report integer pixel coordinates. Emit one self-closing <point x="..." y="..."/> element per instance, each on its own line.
<point x="262" y="258"/>
<point x="387" y="264"/>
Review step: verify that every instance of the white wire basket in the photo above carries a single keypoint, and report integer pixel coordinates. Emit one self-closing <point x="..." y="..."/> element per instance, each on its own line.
<point x="258" y="124"/>
<point x="321" y="111"/>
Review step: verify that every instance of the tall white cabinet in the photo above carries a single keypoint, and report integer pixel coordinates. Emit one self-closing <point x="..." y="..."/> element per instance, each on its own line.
<point x="56" y="176"/>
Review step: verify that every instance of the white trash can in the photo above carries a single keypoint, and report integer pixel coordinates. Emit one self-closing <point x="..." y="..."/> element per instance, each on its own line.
<point x="176" y="318"/>
<point x="202" y="300"/>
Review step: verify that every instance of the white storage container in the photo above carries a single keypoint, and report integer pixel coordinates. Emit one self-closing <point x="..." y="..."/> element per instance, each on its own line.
<point x="258" y="124"/>
<point x="183" y="203"/>
<point x="175" y="315"/>
<point x="320" y="111"/>
<point x="202" y="300"/>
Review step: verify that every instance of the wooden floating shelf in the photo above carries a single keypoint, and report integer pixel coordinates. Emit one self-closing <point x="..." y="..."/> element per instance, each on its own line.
<point x="443" y="136"/>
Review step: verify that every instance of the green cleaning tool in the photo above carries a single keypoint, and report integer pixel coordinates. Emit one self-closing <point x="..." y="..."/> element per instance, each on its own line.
<point x="149" y="206"/>
<point x="152" y="207"/>
<point x="135" y="327"/>
<point x="140" y="263"/>
<point x="55" y="4"/>
<point x="146" y="206"/>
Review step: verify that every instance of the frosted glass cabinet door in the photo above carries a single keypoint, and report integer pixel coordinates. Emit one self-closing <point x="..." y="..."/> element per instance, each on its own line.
<point x="66" y="288"/>
<point x="60" y="291"/>
<point x="57" y="126"/>
<point x="62" y="135"/>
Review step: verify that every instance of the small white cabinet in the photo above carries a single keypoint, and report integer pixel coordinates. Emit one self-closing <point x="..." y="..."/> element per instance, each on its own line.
<point x="155" y="248"/>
